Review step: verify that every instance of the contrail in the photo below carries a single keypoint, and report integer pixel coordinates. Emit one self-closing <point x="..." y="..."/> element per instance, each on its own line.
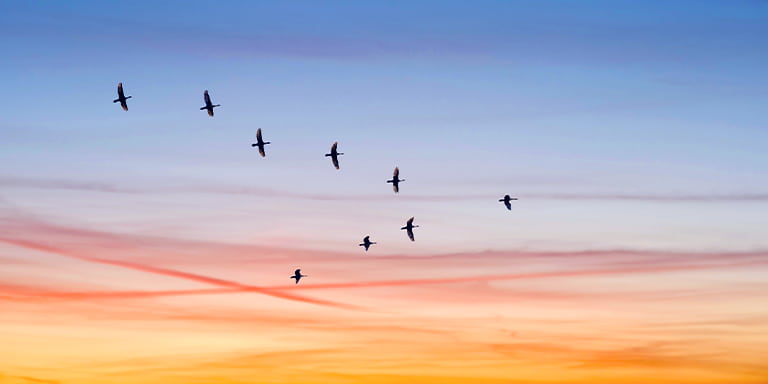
<point x="239" y="288"/>
<point x="178" y="274"/>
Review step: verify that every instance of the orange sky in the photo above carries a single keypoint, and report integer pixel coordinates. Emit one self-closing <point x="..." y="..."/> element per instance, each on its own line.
<point x="85" y="306"/>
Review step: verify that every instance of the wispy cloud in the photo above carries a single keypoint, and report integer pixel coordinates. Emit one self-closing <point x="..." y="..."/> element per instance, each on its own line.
<point x="173" y="273"/>
<point x="91" y="186"/>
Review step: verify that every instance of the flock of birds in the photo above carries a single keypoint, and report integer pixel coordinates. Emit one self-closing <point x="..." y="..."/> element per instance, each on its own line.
<point x="334" y="155"/>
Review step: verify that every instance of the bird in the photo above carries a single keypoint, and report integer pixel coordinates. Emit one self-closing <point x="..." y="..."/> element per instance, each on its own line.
<point x="260" y="143"/>
<point x="506" y="200"/>
<point x="409" y="228"/>
<point x="121" y="97"/>
<point x="396" y="180"/>
<point x="297" y="275"/>
<point x="366" y="242"/>
<point x="208" y="105"/>
<point x="334" y="154"/>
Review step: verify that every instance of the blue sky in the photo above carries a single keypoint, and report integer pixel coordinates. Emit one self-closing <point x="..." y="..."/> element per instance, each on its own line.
<point x="528" y="98"/>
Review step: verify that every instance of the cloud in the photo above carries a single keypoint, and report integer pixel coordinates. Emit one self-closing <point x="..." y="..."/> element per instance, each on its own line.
<point x="61" y="184"/>
<point x="173" y="273"/>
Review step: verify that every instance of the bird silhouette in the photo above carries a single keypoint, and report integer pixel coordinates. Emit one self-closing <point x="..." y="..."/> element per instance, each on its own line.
<point x="396" y="180"/>
<point x="121" y="97"/>
<point x="208" y="105"/>
<point x="297" y="275"/>
<point x="507" y="200"/>
<point x="334" y="155"/>
<point x="366" y="242"/>
<point x="409" y="228"/>
<point x="260" y="143"/>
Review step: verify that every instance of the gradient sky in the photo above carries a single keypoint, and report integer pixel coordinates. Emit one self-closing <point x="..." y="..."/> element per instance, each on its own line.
<point x="155" y="245"/>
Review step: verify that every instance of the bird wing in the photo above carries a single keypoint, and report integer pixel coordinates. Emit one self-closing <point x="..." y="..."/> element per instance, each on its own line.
<point x="258" y="134"/>
<point x="124" y="105"/>
<point x="297" y="272"/>
<point x="261" y="151"/>
<point x="396" y="175"/>
<point x="210" y="112"/>
<point x="395" y="187"/>
<point x="410" y="221"/>
<point x="509" y="205"/>
<point x="410" y="234"/>
<point x="120" y="90"/>
<point x="366" y="239"/>
<point x="335" y="161"/>
<point x="207" y="98"/>
<point x="333" y="147"/>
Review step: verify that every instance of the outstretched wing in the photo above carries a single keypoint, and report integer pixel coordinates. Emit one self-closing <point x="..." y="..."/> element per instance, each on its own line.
<point x="258" y="135"/>
<point x="333" y="147"/>
<point x="120" y="93"/>
<point x="410" y="221"/>
<point x="366" y="239"/>
<point x="335" y="160"/>
<point x="207" y="100"/>
<point x="261" y="151"/>
<point x="410" y="234"/>
<point x="508" y="205"/>
<point x="396" y="175"/>
<point x="297" y="272"/>
<point x="210" y="112"/>
<point x="396" y="187"/>
<point x="124" y="104"/>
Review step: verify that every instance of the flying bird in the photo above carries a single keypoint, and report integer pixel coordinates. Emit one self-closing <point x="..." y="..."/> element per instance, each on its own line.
<point x="208" y="105"/>
<point x="507" y="200"/>
<point x="409" y="228"/>
<point x="366" y="243"/>
<point x="334" y="154"/>
<point x="396" y="180"/>
<point x="121" y="97"/>
<point x="260" y="143"/>
<point x="297" y="275"/>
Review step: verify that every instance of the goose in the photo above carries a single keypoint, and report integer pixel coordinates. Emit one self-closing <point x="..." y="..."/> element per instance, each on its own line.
<point x="366" y="242"/>
<point x="260" y="143"/>
<point x="409" y="228"/>
<point x="208" y="105"/>
<point x="334" y="155"/>
<point x="297" y="275"/>
<point x="396" y="180"/>
<point x="506" y="200"/>
<point x="121" y="97"/>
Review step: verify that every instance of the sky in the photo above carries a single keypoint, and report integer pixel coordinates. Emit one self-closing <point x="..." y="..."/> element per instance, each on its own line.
<point x="155" y="245"/>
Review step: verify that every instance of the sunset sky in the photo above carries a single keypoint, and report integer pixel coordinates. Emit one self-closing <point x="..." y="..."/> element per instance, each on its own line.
<point x="155" y="245"/>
